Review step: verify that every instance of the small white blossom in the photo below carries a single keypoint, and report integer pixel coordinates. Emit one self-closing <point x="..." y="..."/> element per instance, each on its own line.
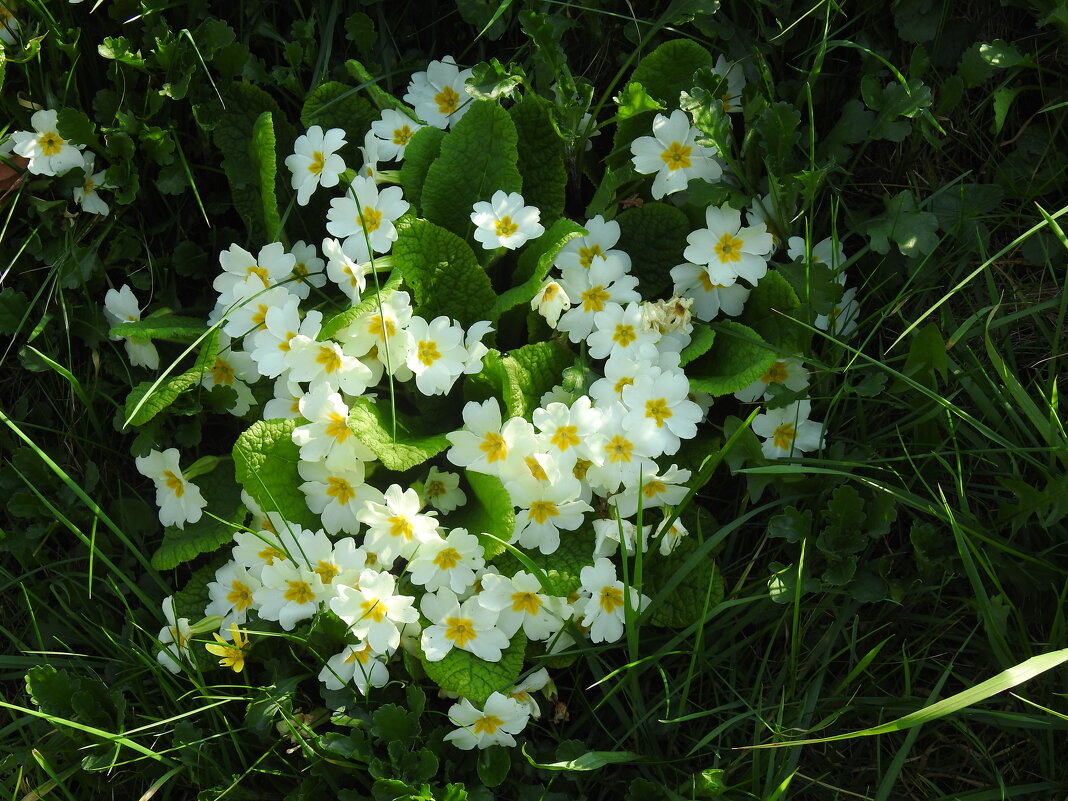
<point x="505" y="222"/>
<point x="315" y="161"/>
<point x="179" y="500"/>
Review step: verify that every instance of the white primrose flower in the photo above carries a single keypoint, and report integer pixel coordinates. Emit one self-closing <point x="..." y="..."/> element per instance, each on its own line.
<point x="618" y="331"/>
<point x="439" y="95"/>
<point x="451" y="562"/>
<point x="608" y="535"/>
<point x="500" y="719"/>
<point x="246" y="316"/>
<point x="605" y="611"/>
<point x="324" y="362"/>
<point x="327" y="435"/>
<point x="842" y="321"/>
<point x="442" y="490"/>
<point x="596" y="247"/>
<point x="290" y="592"/>
<point x="476" y="350"/>
<point x="369" y="152"/>
<point x="253" y="550"/>
<point x="307" y="271"/>
<point x="120" y="306"/>
<point x="546" y="507"/>
<point x="657" y="488"/>
<point x="730" y="251"/>
<point x="550" y="302"/>
<point x="336" y="494"/>
<point x="591" y="290"/>
<point x="674" y="155"/>
<point x="179" y="500"/>
<point x="174" y="637"/>
<point x="48" y="152"/>
<point x="505" y="222"/>
<point x="521" y="603"/>
<point x="358" y="665"/>
<point x="709" y="298"/>
<point x="235" y="369"/>
<point x="285" y="405"/>
<point x="535" y="682"/>
<point x="315" y="161"/>
<point x="662" y="397"/>
<point x="271" y="345"/>
<point x="336" y="563"/>
<point x="484" y="445"/>
<point x="672" y="536"/>
<point x="567" y="432"/>
<point x="788" y="430"/>
<point x="231" y="596"/>
<point x="374" y="612"/>
<point x="380" y="337"/>
<point x="468" y="626"/>
<point x="86" y="194"/>
<point x="436" y="355"/>
<point x="828" y="252"/>
<point x="393" y="131"/>
<point x="366" y="215"/>
<point x="625" y="444"/>
<point x="619" y="372"/>
<point x="244" y="276"/>
<point x="788" y="372"/>
<point x="394" y="526"/>
<point x="348" y="265"/>
<point x="731" y="88"/>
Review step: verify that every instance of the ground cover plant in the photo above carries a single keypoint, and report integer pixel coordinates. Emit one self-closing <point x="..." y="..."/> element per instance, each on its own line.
<point x="533" y="400"/>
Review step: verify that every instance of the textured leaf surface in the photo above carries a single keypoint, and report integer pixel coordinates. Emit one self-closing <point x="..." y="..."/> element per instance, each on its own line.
<point x="207" y="534"/>
<point x="913" y="231"/>
<point x="737" y="358"/>
<point x="265" y="464"/>
<point x="374" y="428"/>
<point x="701" y="339"/>
<point x="443" y="273"/>
<point x="563" y="567"/>
<point x="338" y="105"/>
<point x="535" y="262"/>
<point x="520" y="377"/>
<point x="489" y="511"/>
<point x="478" y="157"/>
<point x="655" y="236"/>
<point x="424" y="147"/>
<point x="168" y="327"/>
<point x="470" y="677"/>
<point x="768" y="309"/>
<point x="64" y="694"/>
<point x="265" y="171"/>
<point x="684" y="603"/>
<point x="336" y="322"/>
<point x="149" y="398"/>
<point x="541" y="157"/>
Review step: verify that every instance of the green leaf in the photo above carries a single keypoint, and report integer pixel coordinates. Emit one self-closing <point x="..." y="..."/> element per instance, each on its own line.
<point x="149" y="398"/>
<point x="468" y="676"/>
<point x="894" y="100"/>
<point x="265" y="464"/>
<point x="490" y="511"/>
<point x="265" y="170"/>
<point x="792" y="525"/>
<point x="487" y="16"/>
<point x="333" y="323"/>
<point x="541" y="158"/>
<point x="493" y="765"/>
<point x="563" y="567"/>
<point x="737" y="358"/>
<point x="701" y="339"/>
<point x="535" y="262"/>
<point x="491" y="80"/>
<point x="768" y="311"/>
<point x="634" y="100"/>
<point x="393" y="722"/>
<point x="443" y="273"/>
<point x="64" y="694"/>
<point x="166" y="327"/>
<point x="654" y="235"/>
<point x="77" y="127"/>
<point x="1002" y="55"/>
<point x="14" y="309"/>
<point x="843" y="533"/>
<point x="912" y="230"/>
<point x="927" y="360"/>
<point x="379" y="96"/>
<point x="686" y="603"/>
<point x="519" y="378"/>
<point x="360" y="30"/>
<point x="207" y="534"/>
<point x="592" y="760"/>
<point x="853" y="126"/>
<point x="374" y="428"/>
<point x="479" y="156"/>
<point x="338" y="105"/>
<point x="778" y="131"/>
<point x="419" y="154"/>
<point x="118" y="49"/>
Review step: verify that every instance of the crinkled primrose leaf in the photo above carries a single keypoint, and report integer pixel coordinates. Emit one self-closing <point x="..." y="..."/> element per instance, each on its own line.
<point x="374" y="428"/>
<point x="265" y="171"/>
<point x="333" y="323"/>
<point x="149" y="398"/>
<point x="654" y="235"/>
<point x="489" y="511"/>
<point x="338" y="105"/>
<point x="422" y="149"/>
<point x="166" y="327"/>
<point x="736" y="359"/>
<point x="684" y="602"/>
<point x="265" y="463"/>
<point x="769" y="309"/>
<point x="541" y="158"/>
<point x="535" y="262"/>
<point x="468" y="676"/>
<point x="520" y="377"/>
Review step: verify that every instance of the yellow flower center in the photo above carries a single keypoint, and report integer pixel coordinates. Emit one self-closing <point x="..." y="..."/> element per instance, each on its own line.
<point x="729" y="249"/>
<point x="540" y="511"/>
<point x="370" y="219"/>
<point x="535" y="468"/>
<point x="299" y="592"/>
<point x="448" y="100"/>
<point x="402" y="135"/>
<point x="375" y="326"/>
<point x="329" y="358"/>
<point x="550" y="292"/>
<point x="653" y="488"/>
<point x="487" y="724"/>
<point x="619" y="449"/>
<point x="505" y="226"/>
<point x="175" y="484"/>
<point x="340" y="489"/>
<point x="362" y="655"/>
<point x="270" y="553"/>
<point x="580" y="468"/>
<point x="260" y="317"/>
<point x="593" y="299"/>
<point x="400" y="526"/>
<point x="677" y="156"/>
<point x="261" y="273"/>
<point x="460" y="630"/>
<point x="776" y="374"/>
<point x="624" y="335"/>
<point x="327" y="571"/>
<point x="528" y="602"/>
<point x="88" y="185"/>
<point x="338" y="427"/>
<point x="658" y="410"/>
<point x="611" y="599"/>
<point x="434" y="488"/>
<point x="447" y="559"/>
<point x="222" y="372"/>
<point x="625" y="381"/>
<point x="50" y="143"/>
<point x="374" y="610"/>
<point x="317" y="163"/>
<point x="587" y="255"/>
<point x="428" y="352"/>
<point x="300" y="269"/>
<point x="565" y="437"/>
<point x="284" y="345"/>
<point x="494" y="446"/>
<point x="706" y="283"/>
<point x="240" y="596"/>
<point x="784" y="436"/>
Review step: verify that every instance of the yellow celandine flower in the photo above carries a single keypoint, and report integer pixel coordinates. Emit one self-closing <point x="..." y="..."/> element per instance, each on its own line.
<point x="232" y="654"/>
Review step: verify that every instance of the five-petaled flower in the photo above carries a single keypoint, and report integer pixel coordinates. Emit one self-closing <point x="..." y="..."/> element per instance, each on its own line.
<point x="673" y="155"/>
